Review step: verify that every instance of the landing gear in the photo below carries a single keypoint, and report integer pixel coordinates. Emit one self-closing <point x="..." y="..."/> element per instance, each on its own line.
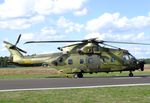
<point x="130" y="74"/>
<point x="78" y="75"/>
<point x="142" y="65"/>
<point x="45" y="65"/>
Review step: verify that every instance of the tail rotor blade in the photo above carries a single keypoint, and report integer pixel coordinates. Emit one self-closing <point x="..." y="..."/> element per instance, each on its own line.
<point x="21" y="50"/>
<point x="18" y="39"/>
<point x="14" y="47"/>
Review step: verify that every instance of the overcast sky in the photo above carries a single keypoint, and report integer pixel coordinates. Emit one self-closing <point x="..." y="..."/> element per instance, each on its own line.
<point x="116" y="20"/>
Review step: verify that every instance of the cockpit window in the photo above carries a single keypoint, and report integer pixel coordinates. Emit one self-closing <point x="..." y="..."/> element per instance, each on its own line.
<point x="131" y="57"/>
<point x="125" y="57"/>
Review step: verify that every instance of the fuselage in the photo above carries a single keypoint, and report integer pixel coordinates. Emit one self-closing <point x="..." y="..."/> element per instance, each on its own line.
<point x="35" y="60"/>
<point x="103" y="62"/>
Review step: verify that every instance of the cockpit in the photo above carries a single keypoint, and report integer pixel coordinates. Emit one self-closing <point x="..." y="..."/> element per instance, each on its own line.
<point x="127" y="57"/>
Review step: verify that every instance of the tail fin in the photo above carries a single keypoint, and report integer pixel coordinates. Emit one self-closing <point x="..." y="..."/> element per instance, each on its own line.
<point x="15" y="54"/>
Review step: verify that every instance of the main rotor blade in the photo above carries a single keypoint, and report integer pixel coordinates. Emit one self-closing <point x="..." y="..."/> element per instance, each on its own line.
<point x="64" y="41"/>
<point x="123" y="42"/>
<point x="111" y="46"/>
<point x="53" y="41"/>
<point x="18" y="40"/>
<point x="21" y="50"/>
<point x="86" y="41"/>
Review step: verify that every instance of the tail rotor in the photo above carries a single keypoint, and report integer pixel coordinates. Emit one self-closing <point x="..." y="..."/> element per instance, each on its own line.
<point x="15" y="46"/>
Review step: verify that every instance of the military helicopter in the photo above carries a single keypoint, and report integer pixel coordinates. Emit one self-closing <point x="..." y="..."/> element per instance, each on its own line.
<point x="17" y="58"/>
<point x="92" y="56"/>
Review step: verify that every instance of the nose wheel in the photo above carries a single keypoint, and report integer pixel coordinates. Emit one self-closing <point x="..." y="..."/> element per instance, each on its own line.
<point x="130" y="74"/>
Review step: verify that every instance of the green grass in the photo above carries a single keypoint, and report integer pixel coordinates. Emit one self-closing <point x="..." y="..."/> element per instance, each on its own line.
<point x="126" y="73"/>
<point x="137" y="94"/>
<point x="29" y="76"/>
<point x="21" y="73"/>
<point x="23" y="76"/>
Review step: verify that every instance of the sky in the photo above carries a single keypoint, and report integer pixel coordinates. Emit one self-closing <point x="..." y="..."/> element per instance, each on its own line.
<point x="115" y="20"/>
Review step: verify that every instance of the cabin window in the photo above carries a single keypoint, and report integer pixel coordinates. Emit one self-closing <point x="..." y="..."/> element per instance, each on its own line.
<point x="81" y="61"/>
<point x="113" y="59"/>
<point x="90" y="60"/>
<point x="106" y="59"/>
<point x="70" y="61"/>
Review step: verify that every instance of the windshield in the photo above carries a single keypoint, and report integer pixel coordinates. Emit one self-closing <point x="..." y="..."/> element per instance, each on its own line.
<point x="131" y="57"/>
<point x="128" y="57"/>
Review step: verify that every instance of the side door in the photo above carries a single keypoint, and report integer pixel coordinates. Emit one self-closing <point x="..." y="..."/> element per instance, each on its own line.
<point x="93" y="63"/>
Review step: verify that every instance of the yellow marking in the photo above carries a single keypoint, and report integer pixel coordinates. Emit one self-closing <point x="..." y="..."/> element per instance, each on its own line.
<point x="27" y="62"/>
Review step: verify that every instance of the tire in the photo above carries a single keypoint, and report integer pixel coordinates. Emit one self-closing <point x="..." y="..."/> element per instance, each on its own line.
<point x="131" y="74"/>
<point x="78" y="75"/>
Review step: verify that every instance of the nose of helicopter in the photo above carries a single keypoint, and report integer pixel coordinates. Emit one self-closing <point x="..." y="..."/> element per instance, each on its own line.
<point x="141" y="65"/>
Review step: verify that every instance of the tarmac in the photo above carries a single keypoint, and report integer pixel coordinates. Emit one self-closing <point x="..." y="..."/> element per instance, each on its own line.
<point x="65" y="83"/>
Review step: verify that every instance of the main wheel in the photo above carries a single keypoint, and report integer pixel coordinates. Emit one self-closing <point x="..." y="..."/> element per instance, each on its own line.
<point x="78" y="75"/>
<point x="130" y="74"/>
<point x="45" y="65"/>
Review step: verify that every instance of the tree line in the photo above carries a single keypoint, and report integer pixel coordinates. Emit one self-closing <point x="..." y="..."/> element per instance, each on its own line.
<point x="147" y="61"/>
<point x="5" y="62"/>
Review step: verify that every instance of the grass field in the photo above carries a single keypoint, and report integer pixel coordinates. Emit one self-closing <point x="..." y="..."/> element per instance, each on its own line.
<point x="137" y="94"/>
<point x="23" y="72"/>
<point x="40" y="72"/>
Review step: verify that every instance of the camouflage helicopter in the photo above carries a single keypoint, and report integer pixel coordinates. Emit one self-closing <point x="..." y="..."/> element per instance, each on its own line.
<point x="92" y="56"/>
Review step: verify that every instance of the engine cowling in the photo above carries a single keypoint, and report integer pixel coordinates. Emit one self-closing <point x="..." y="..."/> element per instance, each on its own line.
<point x="90" y="48"/>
